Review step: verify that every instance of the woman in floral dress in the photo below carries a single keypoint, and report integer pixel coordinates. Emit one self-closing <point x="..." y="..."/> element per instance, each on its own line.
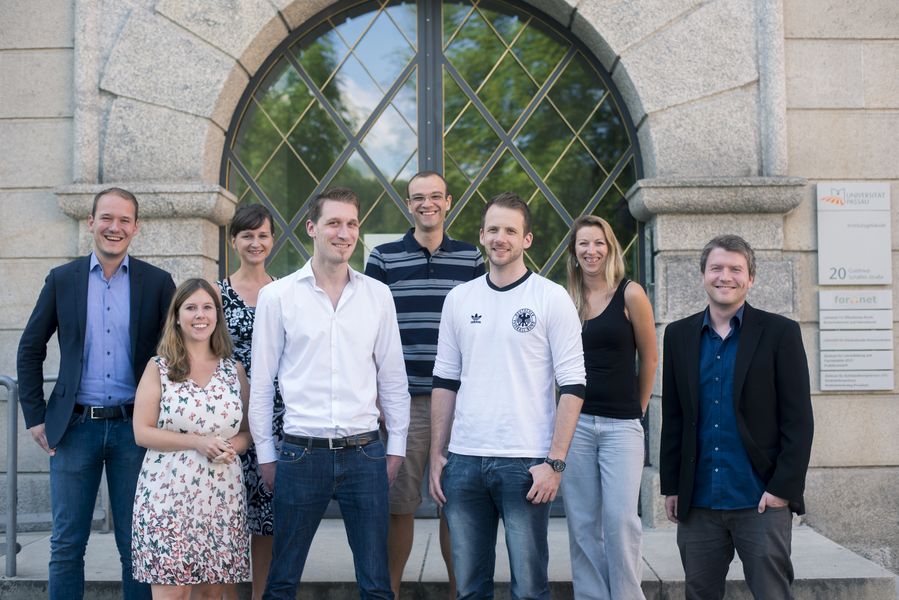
<point x="252" y="240"/>
<point x="189" y="525"/>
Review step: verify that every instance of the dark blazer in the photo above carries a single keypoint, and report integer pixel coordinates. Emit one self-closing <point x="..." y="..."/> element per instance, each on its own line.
<point x="62" y="308"/>
<point x="772" y="402"/>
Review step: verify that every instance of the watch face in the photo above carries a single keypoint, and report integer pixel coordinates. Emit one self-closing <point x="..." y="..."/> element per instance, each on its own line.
<point x="558" y="465"/>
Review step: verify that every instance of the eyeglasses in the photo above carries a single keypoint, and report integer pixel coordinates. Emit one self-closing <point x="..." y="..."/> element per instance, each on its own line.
<point x="435" y="197"/>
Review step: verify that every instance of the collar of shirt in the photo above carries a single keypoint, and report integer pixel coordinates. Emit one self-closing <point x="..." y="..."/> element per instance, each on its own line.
<point x="411" y="244"/>
<point x="307" y="274"/>
<point x="735" y="321"/>
<point x="123" y="268"/>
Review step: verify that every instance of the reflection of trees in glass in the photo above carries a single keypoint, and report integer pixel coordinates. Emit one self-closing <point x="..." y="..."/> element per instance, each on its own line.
<point x="288" y="142"/>
<point x="572" y="129"/>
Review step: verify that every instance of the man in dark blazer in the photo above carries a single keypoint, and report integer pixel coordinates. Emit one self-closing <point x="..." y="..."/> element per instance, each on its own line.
<point x="107" y="310"/>
<point x="736" y="431"/>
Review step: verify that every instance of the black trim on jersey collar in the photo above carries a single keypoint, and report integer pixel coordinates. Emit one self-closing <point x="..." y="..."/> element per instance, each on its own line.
<point x="506" y="288"/>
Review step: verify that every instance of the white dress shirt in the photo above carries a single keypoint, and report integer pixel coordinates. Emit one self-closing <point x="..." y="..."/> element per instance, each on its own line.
<point x="335" y="367"/>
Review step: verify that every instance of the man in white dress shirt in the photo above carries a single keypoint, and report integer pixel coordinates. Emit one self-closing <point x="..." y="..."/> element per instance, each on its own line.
<point x="330" y="336"/>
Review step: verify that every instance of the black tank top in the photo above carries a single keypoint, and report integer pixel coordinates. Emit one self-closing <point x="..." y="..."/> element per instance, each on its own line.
<point x="610" y="353"/>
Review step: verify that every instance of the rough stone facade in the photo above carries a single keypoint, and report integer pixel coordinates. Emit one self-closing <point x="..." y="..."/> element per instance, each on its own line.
<point x="741" y="107"/>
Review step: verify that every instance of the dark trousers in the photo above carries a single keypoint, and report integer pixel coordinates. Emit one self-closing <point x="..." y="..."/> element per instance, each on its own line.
<point x="707" y="539"/>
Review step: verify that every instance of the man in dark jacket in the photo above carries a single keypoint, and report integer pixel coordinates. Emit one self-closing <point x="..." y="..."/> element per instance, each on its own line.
<point x="107" y="310"/>
<point x="736" y="431"/>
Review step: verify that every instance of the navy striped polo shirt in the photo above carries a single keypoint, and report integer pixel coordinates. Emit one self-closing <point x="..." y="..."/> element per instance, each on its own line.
<point x="419" y="282"/>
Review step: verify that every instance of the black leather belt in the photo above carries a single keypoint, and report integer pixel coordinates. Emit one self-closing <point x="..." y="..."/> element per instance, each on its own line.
<point x="105" y="412"/>
<point x="350" y="441"/>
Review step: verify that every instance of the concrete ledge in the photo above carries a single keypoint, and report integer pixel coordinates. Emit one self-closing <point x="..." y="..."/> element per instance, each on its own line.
<point x="715" y="195"/>
<point x="823" y="568"/>
<point x="157" y="200"/>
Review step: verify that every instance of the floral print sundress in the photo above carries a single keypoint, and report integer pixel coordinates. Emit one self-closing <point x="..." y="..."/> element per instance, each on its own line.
<point x="189" y="522"/>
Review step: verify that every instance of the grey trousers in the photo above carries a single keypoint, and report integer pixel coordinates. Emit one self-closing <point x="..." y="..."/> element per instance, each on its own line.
<point x="707" y="539"/>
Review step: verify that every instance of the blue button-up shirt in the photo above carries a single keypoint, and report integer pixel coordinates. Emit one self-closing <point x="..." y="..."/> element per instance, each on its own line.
<point x="724" y="478"/>
<point x="107" y="376"/>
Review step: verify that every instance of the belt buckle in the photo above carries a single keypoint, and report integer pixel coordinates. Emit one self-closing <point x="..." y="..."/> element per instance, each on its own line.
<point x="331" y="445"/>
<point x="94" y="417"/>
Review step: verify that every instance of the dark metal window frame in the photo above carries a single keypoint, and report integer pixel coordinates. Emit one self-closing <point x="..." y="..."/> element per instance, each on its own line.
<point x="430" y="62"/>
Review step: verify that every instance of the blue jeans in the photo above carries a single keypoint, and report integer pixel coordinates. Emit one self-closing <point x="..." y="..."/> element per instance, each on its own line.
<point x="479" y="491"/>
<point x="75" y="472"/>
<point x="305" y="481"/>
<point x="601" y="487"/>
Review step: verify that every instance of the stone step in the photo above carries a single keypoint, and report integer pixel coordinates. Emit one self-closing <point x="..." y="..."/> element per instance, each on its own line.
<point x="824" y="569"/>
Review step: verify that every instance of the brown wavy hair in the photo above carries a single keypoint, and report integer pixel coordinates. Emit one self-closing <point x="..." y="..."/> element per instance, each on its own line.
<point x="171" y="345"/>
<point x="614" y="262"/>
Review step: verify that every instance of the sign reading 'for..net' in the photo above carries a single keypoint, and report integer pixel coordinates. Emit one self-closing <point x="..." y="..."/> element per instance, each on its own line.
<point x="854" y="233"/>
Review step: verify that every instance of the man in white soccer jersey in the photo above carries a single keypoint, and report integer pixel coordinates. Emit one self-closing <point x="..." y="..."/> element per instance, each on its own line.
<point x="506" y="339"/>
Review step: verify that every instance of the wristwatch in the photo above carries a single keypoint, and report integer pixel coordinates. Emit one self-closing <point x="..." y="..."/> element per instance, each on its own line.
<point x="557" y="464"/>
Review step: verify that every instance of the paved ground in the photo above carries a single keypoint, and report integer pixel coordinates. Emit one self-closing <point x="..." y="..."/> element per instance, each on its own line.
<point x="823" y="568"/>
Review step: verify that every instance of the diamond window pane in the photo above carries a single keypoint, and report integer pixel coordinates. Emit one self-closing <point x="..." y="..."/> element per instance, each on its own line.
<point x="317" y="140"/>
<point x="390" y="142"/>
<point x="549" y="229"/>
<point x="285" y="96"/>
<point x="384" y="51"/>
<point x="320" y="53"/>
<point x="286" y="183"/>
<point x="406" y="101"/>
<point x="507" y="92"/>
<point x="285" y="261"/>
<point x="257" y="139"/>
<point x="356" y="175"/>
<point x="404" y="14"/>
<point x="605" y="135"/>
<point x="539" y="51"/>
<point x="577" y="91"/>
<point x="357" y="92"/>
<point x="544" y="138"/>
<point x="470" y="142"/>
<point x="507" y="175"/>
<point x="467" y="223"/>
<point x="575" y="179"/>
<point x="504" y="19"/>
<point x="475" y="50"/>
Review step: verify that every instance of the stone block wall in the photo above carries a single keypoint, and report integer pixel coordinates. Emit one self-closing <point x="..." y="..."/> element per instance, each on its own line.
<point x="842" y="96"/>
<point x="36" y="125"/>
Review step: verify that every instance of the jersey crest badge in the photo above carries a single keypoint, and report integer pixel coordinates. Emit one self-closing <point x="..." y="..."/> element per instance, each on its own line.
<point x="524" y="320"/>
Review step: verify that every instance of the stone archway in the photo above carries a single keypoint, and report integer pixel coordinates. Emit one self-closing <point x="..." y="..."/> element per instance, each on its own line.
<point x="156" y="84"/>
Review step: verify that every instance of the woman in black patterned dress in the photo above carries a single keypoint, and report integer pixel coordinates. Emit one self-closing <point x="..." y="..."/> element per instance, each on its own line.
<point x="251" y="232"/>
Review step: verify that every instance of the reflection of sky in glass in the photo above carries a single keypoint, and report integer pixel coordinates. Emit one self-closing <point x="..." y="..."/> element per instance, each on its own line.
<point x="390" y="142"/>
<point x="358" y="92"/>
<point x="384" y="51"/>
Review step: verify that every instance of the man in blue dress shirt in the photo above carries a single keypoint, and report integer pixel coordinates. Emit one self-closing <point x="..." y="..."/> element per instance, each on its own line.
<point x="107" y="310"/>
<point x="736" y="431"/>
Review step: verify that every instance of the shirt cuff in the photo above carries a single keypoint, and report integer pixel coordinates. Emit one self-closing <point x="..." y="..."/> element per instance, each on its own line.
<point x="266" y="453"/>
<point x="452" y="385"/>
<point x="576" y="389"/>
<point x="396" y="445"/>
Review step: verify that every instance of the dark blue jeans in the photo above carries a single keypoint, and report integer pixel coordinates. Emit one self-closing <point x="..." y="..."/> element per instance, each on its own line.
<point x="479" y="491"/>
<point x="75" y="473"/>
<point x="305" y="481"/>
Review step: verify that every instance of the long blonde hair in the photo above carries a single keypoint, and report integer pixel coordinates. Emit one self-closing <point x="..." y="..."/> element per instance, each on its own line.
<point x="614" y="262"/>
<point x="171" y="345"/>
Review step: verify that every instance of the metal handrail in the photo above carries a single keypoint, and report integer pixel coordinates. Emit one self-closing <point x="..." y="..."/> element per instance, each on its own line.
<point x="12" y="469"/>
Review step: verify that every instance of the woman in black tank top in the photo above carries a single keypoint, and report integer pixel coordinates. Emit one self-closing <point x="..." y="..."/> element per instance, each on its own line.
<point x="605" y="461"/>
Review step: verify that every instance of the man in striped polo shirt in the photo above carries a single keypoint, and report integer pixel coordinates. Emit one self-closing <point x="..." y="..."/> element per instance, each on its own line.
<point x="420" y="269"/>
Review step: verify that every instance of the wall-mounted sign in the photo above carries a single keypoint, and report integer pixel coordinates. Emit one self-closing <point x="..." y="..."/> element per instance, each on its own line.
<point x="856" y="343"/>
<point x="854" y="233"/>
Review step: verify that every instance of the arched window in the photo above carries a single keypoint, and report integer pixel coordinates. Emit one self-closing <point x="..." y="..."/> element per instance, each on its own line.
<point x="493" y="93"/>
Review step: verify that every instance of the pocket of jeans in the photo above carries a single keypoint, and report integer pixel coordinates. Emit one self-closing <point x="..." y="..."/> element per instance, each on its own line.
<point x="374" y="451"/>
<point x="292" y="454"/>
<point x="527" y="463"/>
